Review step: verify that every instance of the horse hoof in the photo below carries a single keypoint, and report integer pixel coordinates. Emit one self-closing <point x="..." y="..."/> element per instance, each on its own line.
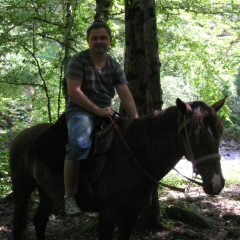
<point x="156" y="225"/>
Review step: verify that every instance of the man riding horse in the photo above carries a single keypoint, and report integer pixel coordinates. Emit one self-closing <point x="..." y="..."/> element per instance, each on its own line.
<point x="92" y="76"/>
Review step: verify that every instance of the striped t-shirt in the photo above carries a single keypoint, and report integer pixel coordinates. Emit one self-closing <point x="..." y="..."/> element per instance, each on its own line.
<point x="97" y="85"/>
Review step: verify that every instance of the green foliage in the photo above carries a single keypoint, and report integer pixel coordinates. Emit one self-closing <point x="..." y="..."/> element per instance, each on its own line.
<point x="30" y="46"/>
<point x="196" y="46"/>
<point x="174" y="179"/>
<point x="198" y="51"/>
<point x="176" y="87"/>
<point x="5" y="179"/>
<point x="233" y="132"/>
<point x="231" y="172"/>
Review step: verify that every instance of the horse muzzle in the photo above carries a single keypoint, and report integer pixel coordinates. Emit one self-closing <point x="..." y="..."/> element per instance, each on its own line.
<point x="215" y="186"/>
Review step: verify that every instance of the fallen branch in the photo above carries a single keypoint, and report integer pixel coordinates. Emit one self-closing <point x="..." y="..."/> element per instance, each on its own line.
<point x="188" y="217"/>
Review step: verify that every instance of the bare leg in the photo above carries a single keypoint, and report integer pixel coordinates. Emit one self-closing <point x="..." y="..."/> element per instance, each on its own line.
<point x="71" y="170"/>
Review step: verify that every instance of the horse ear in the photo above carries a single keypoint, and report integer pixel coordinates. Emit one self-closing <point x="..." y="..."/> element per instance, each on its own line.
<point x="183" y="107"/>
<point x="218" y="104"/>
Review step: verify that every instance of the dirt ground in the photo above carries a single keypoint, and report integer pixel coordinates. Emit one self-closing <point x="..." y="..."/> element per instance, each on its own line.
<point x="223" y="211"/>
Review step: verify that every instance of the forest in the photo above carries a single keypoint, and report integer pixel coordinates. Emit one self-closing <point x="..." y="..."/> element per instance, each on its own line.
<point x="191" y="51"/>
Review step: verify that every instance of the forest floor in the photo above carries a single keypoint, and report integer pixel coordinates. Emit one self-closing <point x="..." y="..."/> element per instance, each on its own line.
<point x="222" y="211"/>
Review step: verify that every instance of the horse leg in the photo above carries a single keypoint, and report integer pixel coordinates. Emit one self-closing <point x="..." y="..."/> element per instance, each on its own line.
<point x="22" y="191"/>
<point x="126" y="224"/>
<point x="106" y="225"/>
<point x="40" y="219"/>
<point x="151" y="216"/>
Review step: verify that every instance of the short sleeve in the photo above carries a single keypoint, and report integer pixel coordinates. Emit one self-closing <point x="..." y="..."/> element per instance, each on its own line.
<point x="120" y="77"/>
<point x="75" y="68"/>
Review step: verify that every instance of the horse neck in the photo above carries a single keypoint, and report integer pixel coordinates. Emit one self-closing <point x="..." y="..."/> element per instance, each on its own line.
<point x="154" y="138"/>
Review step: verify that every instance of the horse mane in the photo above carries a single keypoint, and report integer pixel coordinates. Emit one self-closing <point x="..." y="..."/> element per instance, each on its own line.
<point x="203" y="115"/>
<point x="153" y="131"/>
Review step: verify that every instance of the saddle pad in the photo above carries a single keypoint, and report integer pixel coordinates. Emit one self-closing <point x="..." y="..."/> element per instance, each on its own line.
<point x="103" y="142"/>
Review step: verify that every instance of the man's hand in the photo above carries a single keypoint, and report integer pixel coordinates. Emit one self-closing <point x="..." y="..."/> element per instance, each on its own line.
<point x="106" y="112"/>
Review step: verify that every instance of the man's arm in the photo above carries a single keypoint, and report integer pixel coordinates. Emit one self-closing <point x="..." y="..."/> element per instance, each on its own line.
<point x="127" y="100"/>
<point x="76" y="95"/>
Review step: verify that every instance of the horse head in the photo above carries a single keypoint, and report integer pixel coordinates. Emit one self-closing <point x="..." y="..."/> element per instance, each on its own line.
<point x="199" y="133"/>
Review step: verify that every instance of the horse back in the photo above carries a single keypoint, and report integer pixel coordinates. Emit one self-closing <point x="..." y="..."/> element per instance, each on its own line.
<point x="49" y="147"/>
<point x="21" y="145"/>
<point x="43" y="142"/>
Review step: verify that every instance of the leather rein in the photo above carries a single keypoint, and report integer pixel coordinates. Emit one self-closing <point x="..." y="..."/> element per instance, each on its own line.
<point x="187" y="147"/>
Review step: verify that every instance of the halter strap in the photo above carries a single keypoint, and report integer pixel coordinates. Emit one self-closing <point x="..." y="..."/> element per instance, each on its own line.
<point x="205" y="158"/>
<point x="188" y="146"/>
<point x="183" y="125"/>
<point x="187" y="143"/>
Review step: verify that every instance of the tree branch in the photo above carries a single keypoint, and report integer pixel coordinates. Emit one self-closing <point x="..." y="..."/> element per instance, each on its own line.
<point x="23" y="84"/>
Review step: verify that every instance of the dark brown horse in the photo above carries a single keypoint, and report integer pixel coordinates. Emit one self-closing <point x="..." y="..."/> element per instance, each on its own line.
<point x="123" y="189"/>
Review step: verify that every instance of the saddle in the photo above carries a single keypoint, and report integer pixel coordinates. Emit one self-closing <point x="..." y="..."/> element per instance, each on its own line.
<point x="102" y="141"/>
<point x="91" y="170"/>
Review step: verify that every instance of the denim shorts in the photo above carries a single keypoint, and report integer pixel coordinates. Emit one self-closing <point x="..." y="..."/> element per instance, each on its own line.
<point x="80" y="125"/>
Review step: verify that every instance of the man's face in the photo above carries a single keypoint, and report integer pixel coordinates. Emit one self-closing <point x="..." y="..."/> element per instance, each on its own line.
<point x="99" y="41"/>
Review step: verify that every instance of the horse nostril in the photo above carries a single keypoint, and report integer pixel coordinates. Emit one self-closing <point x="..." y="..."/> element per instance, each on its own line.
<point x="211" y="188"/>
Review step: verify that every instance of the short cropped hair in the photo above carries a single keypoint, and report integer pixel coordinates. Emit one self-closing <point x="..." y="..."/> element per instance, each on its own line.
<point x="99" y="24"/>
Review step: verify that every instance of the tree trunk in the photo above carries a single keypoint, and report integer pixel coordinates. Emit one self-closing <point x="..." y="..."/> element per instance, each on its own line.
<point x="142" y="68"/>
<point x="154" y="93"/>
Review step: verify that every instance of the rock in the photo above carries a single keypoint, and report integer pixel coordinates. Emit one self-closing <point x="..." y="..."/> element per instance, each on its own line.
<point x="232" y="217"/>
<point x="223" y="143"/>
<point x="52" y="217"/>
<point x="191" y="233"/>
<point x="233" y="143"/>
<point x="234" y="233"/>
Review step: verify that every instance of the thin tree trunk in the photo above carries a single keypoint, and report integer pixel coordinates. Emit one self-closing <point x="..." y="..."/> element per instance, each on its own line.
<point x="67" y="45"/>
<point x="102" y="9"/>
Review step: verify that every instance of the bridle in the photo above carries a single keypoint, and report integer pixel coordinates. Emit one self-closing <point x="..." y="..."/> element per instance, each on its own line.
<point x="187" y="147"/>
